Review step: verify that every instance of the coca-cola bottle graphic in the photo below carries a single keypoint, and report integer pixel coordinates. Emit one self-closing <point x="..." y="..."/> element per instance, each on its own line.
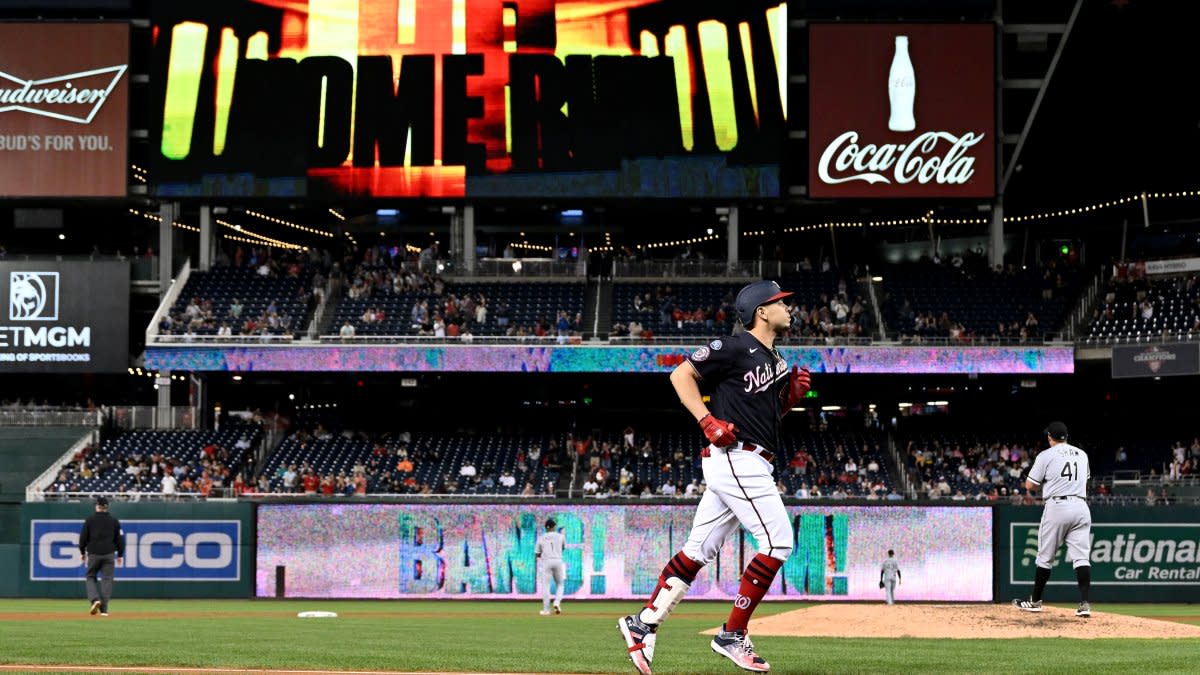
<point x="902" y="88"/>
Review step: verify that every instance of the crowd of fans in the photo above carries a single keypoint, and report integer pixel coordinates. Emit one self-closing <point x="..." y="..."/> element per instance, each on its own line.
<point x="437" y="309"/>
<point x="963" y="299"/>
<point x="209" y="469"/>
<point x="254" y="316"/>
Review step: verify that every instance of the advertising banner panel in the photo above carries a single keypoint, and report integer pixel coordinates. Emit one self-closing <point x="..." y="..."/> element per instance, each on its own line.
<point x="64" y="317"/>
<point x="1138" y="554"/>
<point x="172" y="550"/>
<point x="1156" y="360"/>
<point x="64" y="109"/>
<point x="901" y="110"/>
<point x="480" y="98"/>
<point x="471" y="551"/>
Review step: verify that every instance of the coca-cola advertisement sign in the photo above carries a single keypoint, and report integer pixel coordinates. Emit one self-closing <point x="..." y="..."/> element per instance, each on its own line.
<point x="901" y="110"/>
<point x="64" y="109"/>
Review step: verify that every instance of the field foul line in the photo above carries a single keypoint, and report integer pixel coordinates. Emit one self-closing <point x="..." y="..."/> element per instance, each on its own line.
<point x="222" y="671"/>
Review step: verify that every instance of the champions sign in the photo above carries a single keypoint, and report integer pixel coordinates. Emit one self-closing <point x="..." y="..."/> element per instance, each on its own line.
<point x="901" y="110"/>
<point x="517" y="98"/>
<point x="63" y="109"/>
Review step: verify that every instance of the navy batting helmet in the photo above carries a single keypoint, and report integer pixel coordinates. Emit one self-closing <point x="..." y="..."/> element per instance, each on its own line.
<point x="755" y="295"/>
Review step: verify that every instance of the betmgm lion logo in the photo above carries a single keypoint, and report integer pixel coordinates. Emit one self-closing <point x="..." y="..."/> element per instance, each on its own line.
<point x="33" y="296"/>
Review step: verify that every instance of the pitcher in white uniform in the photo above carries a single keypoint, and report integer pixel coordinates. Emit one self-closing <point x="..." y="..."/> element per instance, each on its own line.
<point x="889" y="577"/>
<point x="549" y="554"/>
<point x="1062" y="472"/>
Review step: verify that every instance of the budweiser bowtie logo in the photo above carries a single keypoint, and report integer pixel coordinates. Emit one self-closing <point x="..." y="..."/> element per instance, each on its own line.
<point x="76" y="97"/>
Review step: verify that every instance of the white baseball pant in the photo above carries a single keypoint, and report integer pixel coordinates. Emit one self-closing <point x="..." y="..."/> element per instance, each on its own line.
<point x="740" y="489"/>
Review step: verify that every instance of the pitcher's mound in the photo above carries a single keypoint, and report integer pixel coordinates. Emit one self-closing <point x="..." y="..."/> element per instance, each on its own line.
<point x="959" y="621"/>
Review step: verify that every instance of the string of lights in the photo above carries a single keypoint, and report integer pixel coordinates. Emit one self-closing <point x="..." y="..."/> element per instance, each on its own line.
<point x="530" y="247"/>
<point x="158" y="219"/>
<point x="337" y="215"/>
<point x="138" y="172"/>
<point x="278" y="243"/>
<point x="258" y="242"/>
<point x="138" y="372"/>
<point x="285" y="223"/>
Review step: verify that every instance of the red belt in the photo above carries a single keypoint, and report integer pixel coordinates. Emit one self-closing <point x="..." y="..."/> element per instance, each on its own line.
<point x="759" y="450"/>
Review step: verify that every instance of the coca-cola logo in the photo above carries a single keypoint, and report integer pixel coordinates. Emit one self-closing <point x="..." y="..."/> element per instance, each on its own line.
<point x="75" y="97"/>
<point x="901" y="110"/>
<point x="926" y="158"/>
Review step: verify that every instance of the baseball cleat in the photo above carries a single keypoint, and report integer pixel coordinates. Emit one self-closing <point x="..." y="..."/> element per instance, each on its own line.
<point x="1085" y="609"/>
<point x="95" y="608"/>
<point x="544" y="612"/>
<point x="557" y="609"/>
<point x="737" y="647"/>
<point x="639" y="641"/>
<point x="1028" y="605"/>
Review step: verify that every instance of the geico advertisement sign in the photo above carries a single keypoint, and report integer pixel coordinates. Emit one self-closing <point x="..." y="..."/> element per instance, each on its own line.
<point x="155" y="550"/>
<point x="1140" y="554"/>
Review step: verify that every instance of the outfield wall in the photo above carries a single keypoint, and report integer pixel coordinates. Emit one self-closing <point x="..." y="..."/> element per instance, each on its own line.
<point x="445" y="550"/>
<point x="173" y="550"/>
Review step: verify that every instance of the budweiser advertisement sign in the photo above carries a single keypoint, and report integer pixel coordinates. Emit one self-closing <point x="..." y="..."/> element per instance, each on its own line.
<point x="63" y="109"/>
<point x="901" y="110"/>
<point x="1156" y="360"/>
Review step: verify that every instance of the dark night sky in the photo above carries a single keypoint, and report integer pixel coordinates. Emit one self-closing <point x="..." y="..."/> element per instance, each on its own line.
<point x="1122" y="113"/>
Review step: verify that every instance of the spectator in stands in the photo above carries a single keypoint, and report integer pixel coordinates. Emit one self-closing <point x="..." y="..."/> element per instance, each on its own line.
<point x="507" y="480"/>
<point x="310" y="482"/>
<point x="528" y="490"/>
<point x="169" y="485"/>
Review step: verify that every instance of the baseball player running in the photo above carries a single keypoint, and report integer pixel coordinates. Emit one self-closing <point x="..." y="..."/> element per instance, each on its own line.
<point x="889" y="577"/>
<point x="752" y="390"/>
<point x="548" y="551"/>
<point x="1062" y="472"/>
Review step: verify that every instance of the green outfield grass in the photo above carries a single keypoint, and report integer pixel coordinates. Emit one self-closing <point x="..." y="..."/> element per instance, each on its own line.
<point x="511" y="636"/>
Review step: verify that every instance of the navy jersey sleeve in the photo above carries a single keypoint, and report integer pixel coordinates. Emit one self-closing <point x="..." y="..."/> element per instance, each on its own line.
<point x="712" y="361"/>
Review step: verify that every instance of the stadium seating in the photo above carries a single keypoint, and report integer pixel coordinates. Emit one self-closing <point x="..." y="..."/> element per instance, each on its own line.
<point x="1147" y="309"/>
<point x="968" y="301"/>
<point x="437" y="461"/>
<point x="673" y="458"/>
<point x="708" y="308"/>
<point x="223" y="454"/>
<point x="511" y="307"/>
<point x="277" y="303"/>
<point x="968" y="466"/>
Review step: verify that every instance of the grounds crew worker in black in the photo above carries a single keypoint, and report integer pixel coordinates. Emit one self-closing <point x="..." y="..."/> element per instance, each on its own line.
<point x="100" y="542"/>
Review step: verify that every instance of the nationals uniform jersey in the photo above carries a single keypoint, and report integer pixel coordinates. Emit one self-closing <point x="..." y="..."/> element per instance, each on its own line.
<point x="1062" y="470"/>
<point x="745" y="379"/>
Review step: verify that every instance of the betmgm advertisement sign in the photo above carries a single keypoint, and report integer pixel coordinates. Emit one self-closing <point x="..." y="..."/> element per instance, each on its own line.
<point x="64" y="118"/>
<point x="1148" y="559"/>
<point x="64" y="317"/>
<point x="155" y="550"/>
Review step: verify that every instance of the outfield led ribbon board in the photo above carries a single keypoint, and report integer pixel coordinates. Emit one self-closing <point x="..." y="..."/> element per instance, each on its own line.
<point x="473" y="551"/>
<point x="64" y="122"/>
<point x="609" y="359"/>
<point x="901" y="110"/>
<point x="475" y="98"/>
<point x="64" y="317"/>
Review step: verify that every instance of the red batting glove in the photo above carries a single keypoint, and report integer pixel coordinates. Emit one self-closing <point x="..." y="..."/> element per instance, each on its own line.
<point x="798" y="385"/>
<point x="718" y="432"/>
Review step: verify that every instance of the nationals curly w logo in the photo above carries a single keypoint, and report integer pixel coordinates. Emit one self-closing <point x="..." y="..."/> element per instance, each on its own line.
<point x="33" y="296"/>
<point x="741" y="601"/>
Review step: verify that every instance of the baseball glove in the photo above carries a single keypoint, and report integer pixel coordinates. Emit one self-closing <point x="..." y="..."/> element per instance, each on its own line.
<point x="881" y="584"/>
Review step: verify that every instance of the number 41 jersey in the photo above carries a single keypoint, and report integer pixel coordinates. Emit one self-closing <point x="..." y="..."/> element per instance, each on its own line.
<point x="1062" y="470"/>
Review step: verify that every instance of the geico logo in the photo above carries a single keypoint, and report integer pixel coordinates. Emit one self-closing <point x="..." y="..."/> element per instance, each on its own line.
<point x="155" y="550"/>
